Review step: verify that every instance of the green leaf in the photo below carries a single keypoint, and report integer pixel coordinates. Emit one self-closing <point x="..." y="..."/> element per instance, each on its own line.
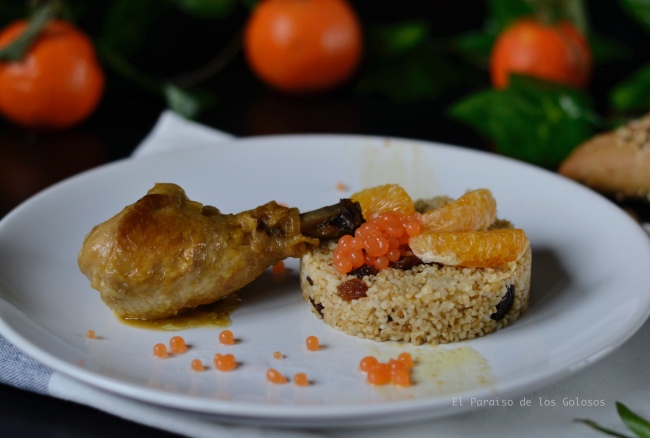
<point x="396" y="38"/>
<point x="475" y="46"/>
<point x="635" y="423"/>
<point x="127" y="24"/>
<point x="186" y="103"/>
<point x="421" y="73"/>
<point x="638" y="10"/>
<point x="600" y="428"/>
<point x="206" y="8"/>
<point x="633" y="93"/>
<point x="531" y="120"/>
<point x="17" y="49"/>
<point x="404" y="63"/>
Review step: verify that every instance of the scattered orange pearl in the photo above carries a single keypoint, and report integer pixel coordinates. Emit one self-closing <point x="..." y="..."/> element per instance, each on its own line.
<point x="90" y="334"/>
<point x="396" y="370"/>
<point x="278" y="355"/>
<point x="226" y="337"/>
<point x="177" y="345"/>
<point x="341" y="187"/>
<point x="406" y="358"/>
<point x="278" y="268"/>
<point x="160" y="350"/>
<point x="367" y="363"/>
<point x="274" y="376"/>
<point x="197" y="365"/>
<point x="312" y="343"/>
<point x="301" y="379"/>
<point x="379" y="374"/>
<point x="401" y="377"/>
<point x="224" y="362"/>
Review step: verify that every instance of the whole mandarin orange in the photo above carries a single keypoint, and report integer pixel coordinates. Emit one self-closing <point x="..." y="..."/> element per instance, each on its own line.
<point x="554" y="52"/>
<point x="303" y="46"/>
<point x="58" y="82"/>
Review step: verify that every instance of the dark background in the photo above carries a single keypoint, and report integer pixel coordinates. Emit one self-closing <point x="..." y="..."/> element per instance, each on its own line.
<point x="30" y="160"/>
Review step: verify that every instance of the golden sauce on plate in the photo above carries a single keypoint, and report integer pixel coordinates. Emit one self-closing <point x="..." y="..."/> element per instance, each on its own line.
<point x="210" y="315"/>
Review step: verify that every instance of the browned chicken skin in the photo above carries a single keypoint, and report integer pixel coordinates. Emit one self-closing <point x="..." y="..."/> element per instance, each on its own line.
<point x="166" y="254"/>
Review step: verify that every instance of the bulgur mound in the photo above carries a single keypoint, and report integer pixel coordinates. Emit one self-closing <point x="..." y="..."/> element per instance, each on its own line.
<point x="428" y="303"/>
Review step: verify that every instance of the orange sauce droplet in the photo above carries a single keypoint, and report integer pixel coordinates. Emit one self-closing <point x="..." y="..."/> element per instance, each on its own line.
<point x="197" y="365"/>
<point x="90" y="334"/>
<point x="278" y="355"/>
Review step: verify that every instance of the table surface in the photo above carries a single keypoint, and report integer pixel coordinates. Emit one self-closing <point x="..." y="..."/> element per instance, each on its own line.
<point x="31" y="161"/>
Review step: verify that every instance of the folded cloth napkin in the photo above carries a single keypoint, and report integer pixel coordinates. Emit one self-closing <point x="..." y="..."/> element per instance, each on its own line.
<point x="622" y="376"/>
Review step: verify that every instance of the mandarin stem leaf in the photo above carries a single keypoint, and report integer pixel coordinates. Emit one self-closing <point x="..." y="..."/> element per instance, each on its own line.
<point x="638" y="425"/>
<point x="17" y="49"/>
<point x="600" y="428"/>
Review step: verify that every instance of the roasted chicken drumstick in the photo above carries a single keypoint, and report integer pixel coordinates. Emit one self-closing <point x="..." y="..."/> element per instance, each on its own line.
<point x="166" y="253"/>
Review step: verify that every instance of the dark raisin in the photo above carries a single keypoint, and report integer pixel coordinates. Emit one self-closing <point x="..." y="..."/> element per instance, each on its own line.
<point x="310" y="281"/>
<point x="318" y="306"/>
<point x="363" y="271"/>
<point x="505" y="304"/>
<point x="405" y="263"/>
<point x="352" y="289"/>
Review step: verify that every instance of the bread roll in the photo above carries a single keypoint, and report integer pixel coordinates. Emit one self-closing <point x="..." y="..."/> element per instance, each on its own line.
<point x="615" y="162"/>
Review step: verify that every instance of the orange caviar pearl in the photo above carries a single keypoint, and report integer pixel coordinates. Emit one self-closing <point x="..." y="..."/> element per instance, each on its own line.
<point x="412" y="228"/>
<point x="224" y="362"/>
<point x="278" y="268"/>
<point x="382" y="262"/>
<point x="367" y="363"/>
<point x="274" y="376"/>
<point x="376" y="245"/>
<point x="356" y="257"/>
<point x="401" y="377"/>
<point x="278" y="355"/>
<point x="160" y="350"/>
<point x="301" y="379"/>
<point x="393" y="255"/>
<point x="406" y="359"/>
<point x="226" y="337"/>
<point x="197" y="365"/>
<point x="377" y="242"/>
<point x="177" y="345"/>
<point x="312" y="343"/>
<point x="379" y="374"/>
<point x="90" y="334"/>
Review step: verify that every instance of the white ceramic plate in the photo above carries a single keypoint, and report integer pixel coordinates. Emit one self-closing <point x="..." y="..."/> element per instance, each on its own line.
<point x="590" y="285"/>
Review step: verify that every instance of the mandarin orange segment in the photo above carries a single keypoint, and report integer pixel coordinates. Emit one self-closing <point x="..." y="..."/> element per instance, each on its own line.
<point x="475" y="210"/>
<point x="480" y="249"/>
<point x="379" y="199"/>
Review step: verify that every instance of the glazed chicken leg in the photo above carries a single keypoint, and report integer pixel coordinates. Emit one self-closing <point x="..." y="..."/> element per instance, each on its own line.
<point x="166" y="254"/>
